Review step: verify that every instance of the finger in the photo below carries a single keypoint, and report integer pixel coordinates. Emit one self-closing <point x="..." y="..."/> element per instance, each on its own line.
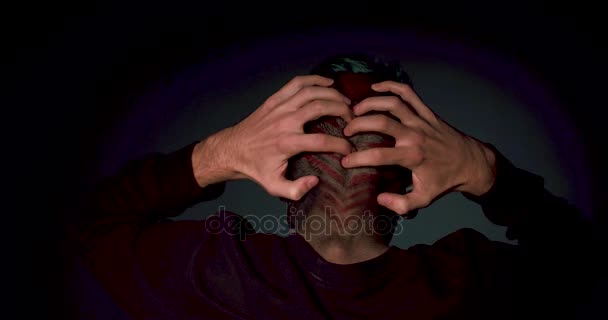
<point x="403" y="204"/>
<point x="320" y="108"/>
<point x="309" y="94"/>
<point x="406" y="93"/>
<point x="407" y="157"/>
<point x="315" y="142"/>
<point x="293" y="190"/>
<point x="295" y="85"/>
<point x="374" y="123"/>
<point x="393" y="104"/>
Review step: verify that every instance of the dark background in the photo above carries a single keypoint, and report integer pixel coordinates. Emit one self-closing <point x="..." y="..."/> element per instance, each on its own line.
<point x="71" y="69"/>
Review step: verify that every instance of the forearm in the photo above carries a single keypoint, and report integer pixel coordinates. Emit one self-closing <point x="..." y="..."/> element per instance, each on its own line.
<point x="559" y="251"/>
<point x="518" y="198"/>
<point x="156" y="186"/>
<point x="122" y="245"/>
<point x="212" y="162"/>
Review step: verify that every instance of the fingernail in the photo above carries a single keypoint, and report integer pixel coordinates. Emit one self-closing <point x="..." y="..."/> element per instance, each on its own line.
<point x="384" y="201"/>
<point x="347" y="100"/>
<point x="345" y="160"/>
<point x="311" y="183"/>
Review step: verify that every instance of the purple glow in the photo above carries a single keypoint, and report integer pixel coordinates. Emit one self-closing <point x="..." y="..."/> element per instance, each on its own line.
<point x="136" y="134"/>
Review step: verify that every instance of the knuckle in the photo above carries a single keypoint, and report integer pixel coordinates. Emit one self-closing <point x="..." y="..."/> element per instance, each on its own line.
<point x="331" y="94"/>
<point x="417" y="155"/>
<point x="402" y="87"/>
<point x="401" y="207"/>
<point x="336" y="93"/>
<point x="295" y="194"/>
<point x="322" y="140"/>
<point x="308" y="91"/>
<point x="271" y="101"/>
<point x="318" y="106"/>
<point x="354" y="123"/>
<point x="394" y="101"/>
<point x="383" y="121"/>
<point x="297" y="81"/>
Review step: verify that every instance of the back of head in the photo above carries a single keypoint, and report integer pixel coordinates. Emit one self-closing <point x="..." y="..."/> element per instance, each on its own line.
<point x="349" y="191"/>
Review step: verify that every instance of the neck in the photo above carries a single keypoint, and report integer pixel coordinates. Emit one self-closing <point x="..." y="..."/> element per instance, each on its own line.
<point x="343" y="237"/>
<point x="347" y="250"/>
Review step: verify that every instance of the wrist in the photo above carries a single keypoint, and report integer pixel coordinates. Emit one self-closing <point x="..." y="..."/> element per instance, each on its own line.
<point x="211" y="161"/>
<point x="483" y="173"/>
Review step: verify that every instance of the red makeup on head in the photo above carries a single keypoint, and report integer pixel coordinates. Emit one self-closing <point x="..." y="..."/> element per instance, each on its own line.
<point x="357" y="87"/>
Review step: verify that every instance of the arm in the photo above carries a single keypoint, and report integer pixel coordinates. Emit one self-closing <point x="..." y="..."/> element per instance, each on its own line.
<point x="558" y="258"/>
<point x="559" y="255"/>
<point x="123" y="244"/>
<point x="555" y="269"/>
<point x="143" y="262"/>
<point x="155" y="187"/>
<point x="517" y="199"/>
<point x="257" y="148"/>
<point x="146" y="191"/>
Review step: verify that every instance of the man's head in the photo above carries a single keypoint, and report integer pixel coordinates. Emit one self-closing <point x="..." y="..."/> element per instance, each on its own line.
<point x="350" y="192"/>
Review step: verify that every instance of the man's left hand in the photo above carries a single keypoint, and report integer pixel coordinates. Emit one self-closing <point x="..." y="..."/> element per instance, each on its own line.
<point x="442" y="159"/>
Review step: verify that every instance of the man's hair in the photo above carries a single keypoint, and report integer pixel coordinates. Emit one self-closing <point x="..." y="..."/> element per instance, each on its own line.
<point x="363" y="64"/>
<point x="353" y="75"/>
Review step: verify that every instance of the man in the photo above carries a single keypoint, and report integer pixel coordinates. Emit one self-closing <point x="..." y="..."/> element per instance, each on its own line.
<point x="349" y="148"/>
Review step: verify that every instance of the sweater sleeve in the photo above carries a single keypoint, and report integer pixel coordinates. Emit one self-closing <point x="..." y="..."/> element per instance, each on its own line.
<point x="552" y="272"/>
<point x="136" y="254"/>
<point x="153" y="187"/>
<point x="558" y="259"/>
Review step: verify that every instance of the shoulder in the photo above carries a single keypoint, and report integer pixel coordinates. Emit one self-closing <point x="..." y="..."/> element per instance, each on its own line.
<point x="228" y="229"/>
<point x="461" y="240"/>
<point x="467" y="258"/>
<point x="463" y="243"/>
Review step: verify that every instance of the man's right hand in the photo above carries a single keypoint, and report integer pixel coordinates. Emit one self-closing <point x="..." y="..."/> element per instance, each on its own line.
<point x="259" y="147"/>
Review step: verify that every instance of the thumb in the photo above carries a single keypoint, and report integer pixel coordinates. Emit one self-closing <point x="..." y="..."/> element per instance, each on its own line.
<point x="293" y="190"/>
<point x="403" y="204"/>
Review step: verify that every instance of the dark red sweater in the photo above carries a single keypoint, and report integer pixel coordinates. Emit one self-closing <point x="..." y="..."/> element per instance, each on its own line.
<point x="217" y="269"/>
